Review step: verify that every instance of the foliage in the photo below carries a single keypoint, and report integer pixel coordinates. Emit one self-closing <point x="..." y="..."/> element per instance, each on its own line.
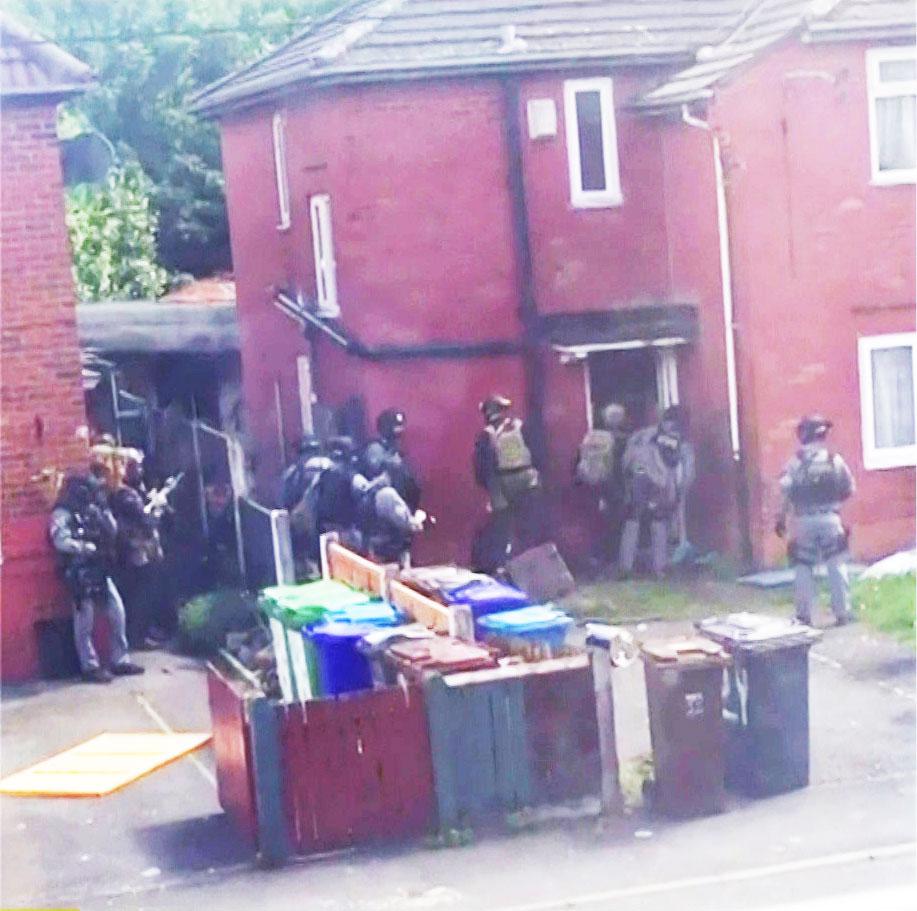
<point x="888" y="604"/>
<point x="149" y="59"/>
<point x="204" y="621"/>
<point x="113" y="237"/>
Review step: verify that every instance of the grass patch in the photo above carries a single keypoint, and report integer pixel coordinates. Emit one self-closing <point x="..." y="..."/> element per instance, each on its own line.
<point x="690" y="598"/>
<point x="888" y="604"/>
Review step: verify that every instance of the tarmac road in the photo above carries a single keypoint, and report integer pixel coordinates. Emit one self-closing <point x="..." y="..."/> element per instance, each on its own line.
<point x="848" y="841"/>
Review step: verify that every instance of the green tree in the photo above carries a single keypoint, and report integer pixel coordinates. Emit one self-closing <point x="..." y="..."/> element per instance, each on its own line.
<point x="150" y="57"/>
<point x="113" y="236"/>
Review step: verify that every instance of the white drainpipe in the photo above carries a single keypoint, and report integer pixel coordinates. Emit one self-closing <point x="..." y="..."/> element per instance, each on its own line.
<point x="725" y="279"/>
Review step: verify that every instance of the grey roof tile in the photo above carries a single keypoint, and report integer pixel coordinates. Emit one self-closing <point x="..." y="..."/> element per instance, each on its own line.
<point x="32" y="66"/>
<point x="389" y="39"/>
<point x="770" y="21"/>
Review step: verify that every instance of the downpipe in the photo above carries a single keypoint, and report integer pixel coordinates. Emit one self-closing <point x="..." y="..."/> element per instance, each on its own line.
<point x="729" y="329"/>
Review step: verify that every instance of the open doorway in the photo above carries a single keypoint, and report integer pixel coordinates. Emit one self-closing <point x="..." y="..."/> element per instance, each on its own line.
<point x="644" y="380"/>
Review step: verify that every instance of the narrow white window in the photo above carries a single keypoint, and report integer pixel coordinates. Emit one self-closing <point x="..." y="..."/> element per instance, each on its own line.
<point x="592" y="143"/>
<point x="280" y="170"/>
<point x="887" y="395"/>
<point x="326" y="289"/>
<point x="892" y="81"/>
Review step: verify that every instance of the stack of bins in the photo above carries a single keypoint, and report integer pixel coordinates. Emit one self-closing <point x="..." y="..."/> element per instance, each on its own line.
<point x="536" y="632"/>
<point x="290" y="609"/>
<point x="684" y="689"/>
<point x="342" y="666"/>
<point x="767" y="704"/>
<point x="486" y="596"/>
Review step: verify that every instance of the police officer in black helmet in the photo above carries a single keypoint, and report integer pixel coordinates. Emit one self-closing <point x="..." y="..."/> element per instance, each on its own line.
<point x="386" y="454"/>
<point x="504" y="466"/>
<point x="814" y="485"/>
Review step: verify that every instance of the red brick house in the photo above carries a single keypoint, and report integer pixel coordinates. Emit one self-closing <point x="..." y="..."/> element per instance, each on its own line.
<point x="575" y="201"/>
<point x="41" y="395"/>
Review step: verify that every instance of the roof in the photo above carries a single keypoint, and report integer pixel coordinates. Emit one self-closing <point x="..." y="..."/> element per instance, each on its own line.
<point x="211" y="291"/>
<point x="767" y="22"/>
<point x="381" y="40"/>
<point x="856" y="20"/>
<point x="33" y="67"/>
<point x="152" y="327"/>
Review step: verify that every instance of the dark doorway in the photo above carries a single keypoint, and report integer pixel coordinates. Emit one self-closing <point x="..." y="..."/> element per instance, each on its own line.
<point x="627" y="377"/>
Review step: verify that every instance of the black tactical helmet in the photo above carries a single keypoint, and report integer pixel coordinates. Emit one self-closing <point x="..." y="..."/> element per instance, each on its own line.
<point x="494" y="404"/>
<point x="813" y="427"/>
<point x="390" y="422"/>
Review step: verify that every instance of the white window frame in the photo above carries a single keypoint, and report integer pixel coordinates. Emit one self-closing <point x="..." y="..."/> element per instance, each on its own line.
<point x="326" y="291"/>
<point x="593" y="199"/>
<point x="877" y="458"/>
<point x="280" y="169"/>
<point x="876" y="89"/>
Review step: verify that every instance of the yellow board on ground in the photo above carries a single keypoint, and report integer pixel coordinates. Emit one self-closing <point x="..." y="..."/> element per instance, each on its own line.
<point x="101" y="765"/>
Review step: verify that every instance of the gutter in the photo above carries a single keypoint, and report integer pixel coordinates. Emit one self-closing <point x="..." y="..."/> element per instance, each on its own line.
<point x="429" y="350"/>
<point x="729" y="329"/>
<point x="267" y="88"/>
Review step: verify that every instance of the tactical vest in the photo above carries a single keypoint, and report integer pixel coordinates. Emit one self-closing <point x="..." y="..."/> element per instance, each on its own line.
<point x="510" y="447"/>
<point x="818" y="481"/>
<point x="595" y="464"/>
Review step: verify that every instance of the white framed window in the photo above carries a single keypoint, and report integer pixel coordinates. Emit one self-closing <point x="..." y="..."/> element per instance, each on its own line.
<point x="592" y="143"/>
<point x="891" y="77"/>
<point x="326" y="289"/>
<point x="887" y="395"/>
<point x="280" y="170"/>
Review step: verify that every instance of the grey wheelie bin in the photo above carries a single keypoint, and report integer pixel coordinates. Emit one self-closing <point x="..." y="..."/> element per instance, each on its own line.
<point x="767" y="701"/>
<point x="684" y="689"/>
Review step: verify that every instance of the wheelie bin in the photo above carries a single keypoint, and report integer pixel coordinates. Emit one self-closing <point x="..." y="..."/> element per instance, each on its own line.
<point x="684" y="688"/>
<point x="766" y="714"/>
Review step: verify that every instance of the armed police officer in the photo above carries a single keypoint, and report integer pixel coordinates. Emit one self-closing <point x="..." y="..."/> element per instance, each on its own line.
<point x="386" y="454"/>
<point x="600" y="466"/>
<point x="813" y="486"/>
<point x="299" y="495"/>
<point x="505" y="468"/>
<point x="84" y="533"/>
<point x="658" y="467"/>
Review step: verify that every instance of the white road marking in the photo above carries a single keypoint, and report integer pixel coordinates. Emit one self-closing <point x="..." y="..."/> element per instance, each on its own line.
<point x="168" y="729"/>
<point x="694" y="882"/>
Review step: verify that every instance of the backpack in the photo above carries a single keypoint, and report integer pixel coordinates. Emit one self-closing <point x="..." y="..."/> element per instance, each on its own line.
<point x="819" y="481"/>
<point x="509" y="446"/>
<point x="595" y="464"/>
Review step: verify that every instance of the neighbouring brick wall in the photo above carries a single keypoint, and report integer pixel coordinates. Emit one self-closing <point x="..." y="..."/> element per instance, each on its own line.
<point x="42" y="399"/>
<point x="41" y="396"/>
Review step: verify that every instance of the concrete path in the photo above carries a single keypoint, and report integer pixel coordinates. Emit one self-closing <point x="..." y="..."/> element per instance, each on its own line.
<point x="163" y="844"/>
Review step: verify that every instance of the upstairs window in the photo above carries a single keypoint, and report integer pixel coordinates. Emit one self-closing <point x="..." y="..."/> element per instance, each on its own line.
<point x="326" y="289"/>
<point x="887" y="394"/>
<point x="592" y="143"/>
<point x="892" y="81"/>
<point x="280" y="170"/>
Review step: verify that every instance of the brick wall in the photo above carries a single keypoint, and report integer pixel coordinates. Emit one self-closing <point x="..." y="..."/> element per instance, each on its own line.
<point x="41" y="399"/>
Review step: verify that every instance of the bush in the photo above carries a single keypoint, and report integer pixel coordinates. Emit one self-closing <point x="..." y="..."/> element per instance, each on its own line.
<point x="204" y="621"/>
<point x="113" y="236"/>
<point x="889" y="604"/>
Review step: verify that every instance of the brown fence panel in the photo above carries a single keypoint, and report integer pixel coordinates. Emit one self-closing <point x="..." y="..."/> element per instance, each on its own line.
<point x="357" y="769"/>
<point x="231" y="744"/>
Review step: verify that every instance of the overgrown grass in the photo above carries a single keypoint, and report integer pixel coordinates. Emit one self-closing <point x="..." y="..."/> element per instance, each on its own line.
<point x="888" y="604"/>
<point x="676" y="599"/>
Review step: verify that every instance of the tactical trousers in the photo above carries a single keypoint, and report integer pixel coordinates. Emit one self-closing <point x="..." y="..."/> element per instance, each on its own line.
<point x="630" y="538"/>
<point x="83" y="621"/>
<point x="820" y="538"/>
